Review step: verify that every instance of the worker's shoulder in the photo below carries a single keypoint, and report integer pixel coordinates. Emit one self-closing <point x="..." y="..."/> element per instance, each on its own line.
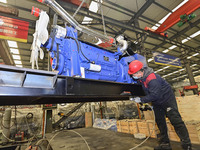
<point x="150" y="77"/>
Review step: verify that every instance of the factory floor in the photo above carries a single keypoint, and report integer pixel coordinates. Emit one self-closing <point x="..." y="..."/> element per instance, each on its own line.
<point x="99" y="139"/>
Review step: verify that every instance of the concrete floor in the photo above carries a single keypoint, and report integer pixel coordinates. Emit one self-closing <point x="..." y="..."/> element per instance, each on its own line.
<point x="99" y="139"/>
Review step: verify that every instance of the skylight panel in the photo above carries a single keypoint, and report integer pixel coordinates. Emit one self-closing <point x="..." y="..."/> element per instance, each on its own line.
<point x="195" y="34"/>
<point x="165" y="51"/>
<point x="3" y="1"/>
<point x="195" y="54"/>
<point x="164" y="18"/>
<point x="14" y="51"/>
<point x="150" y="59"/>
<point x="172" y="47"/>
<point x="181" y="4"/>
<point x="16" y="57"/>
<point x="12" y="44"/>
<point x="19" y="66"/>
<point x="87" y="20"/>
<point x="93" y="6"/>
<point x="18" y="62"/>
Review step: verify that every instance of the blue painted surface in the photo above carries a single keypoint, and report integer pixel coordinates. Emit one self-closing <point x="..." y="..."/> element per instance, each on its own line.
<point x="71" y="60"/>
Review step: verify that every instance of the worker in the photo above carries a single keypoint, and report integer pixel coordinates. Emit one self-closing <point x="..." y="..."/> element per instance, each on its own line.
<point x="160" y="93"/>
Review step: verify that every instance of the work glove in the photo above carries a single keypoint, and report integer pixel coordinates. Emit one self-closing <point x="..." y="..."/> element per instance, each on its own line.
<point x="136" y="99"/>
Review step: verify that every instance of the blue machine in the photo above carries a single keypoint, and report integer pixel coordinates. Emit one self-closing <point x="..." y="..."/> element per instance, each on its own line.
<point x="74" y="58"/>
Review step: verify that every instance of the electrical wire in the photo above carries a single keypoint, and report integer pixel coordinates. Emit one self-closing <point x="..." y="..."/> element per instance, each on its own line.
<point x="69" y="131"/>
<point x="149" y="134"/>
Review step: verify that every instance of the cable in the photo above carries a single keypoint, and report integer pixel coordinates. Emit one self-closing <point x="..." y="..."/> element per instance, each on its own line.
<point x="69" y="131"/>
<point x="78" y="8"/>
<point x="149" y="134"/>
<point x="104" y="28"/>
<point x="79" y="48"/>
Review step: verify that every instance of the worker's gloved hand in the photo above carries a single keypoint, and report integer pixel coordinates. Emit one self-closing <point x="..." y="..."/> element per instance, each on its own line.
<point x="136" y="99"/>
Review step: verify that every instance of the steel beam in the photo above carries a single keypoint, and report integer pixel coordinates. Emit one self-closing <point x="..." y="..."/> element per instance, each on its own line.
<point x="20" y="86"/>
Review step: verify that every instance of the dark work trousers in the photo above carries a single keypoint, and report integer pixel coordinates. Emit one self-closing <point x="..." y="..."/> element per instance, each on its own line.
<point x="170" y="110"/>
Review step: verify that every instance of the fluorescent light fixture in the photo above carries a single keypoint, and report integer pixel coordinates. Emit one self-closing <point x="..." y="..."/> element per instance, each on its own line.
<point x="12" y="44"/>
<point x="193" y="65"/>
<point x="176" y="71"/>
<point x="185" y="40"/>
<point x="165" y="51"/>
<point x="196" y="71"/>
<point x="195" y="54"/>
<point x="150" y="59"/>
<point x="181" y="4"/>
<point x="181" y="69"/>
<point x="93" y="6"/>
<point x="3" y="1"/>
<point x="189" y="57"/>
<point x="18" y="65"/>
<point x="166" y="67"/>
<point x="195" y="34"/>
<point x="18" y="62"/>
<point x="172" y="47"/>
<point x="164" y="18"/>
<point x="155" y="26"/>
<point x="14" y="51"/>
<point x="16" y="57"/>
<point x="87" y="20"/>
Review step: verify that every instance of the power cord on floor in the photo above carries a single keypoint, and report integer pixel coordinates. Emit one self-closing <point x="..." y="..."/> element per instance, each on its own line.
<point x="68" y="131"/>
<point x="149" y="134"/>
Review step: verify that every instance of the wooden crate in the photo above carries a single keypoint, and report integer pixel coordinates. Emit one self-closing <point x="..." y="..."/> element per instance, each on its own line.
<point x="153" y="130"/>
<point x="148" y="115"/>
<point x="127" y="126"/>
<point x="189" y="107"/>
<point x="193" y="130"/>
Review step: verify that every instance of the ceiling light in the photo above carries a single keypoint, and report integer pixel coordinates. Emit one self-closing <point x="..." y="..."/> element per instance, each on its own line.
<point x="87" y="20"/>
<point x="93" y="6"/>
<point x="16" y="57"/>
<point x="12" y="44"/>
<point x="195" y="54"/>
<point x="18" y="62"/>
<point x="194" y="65"/>
<point x="195" y="34"/>
<point x="172" y="47"/>
<point x="164" y="18"/>
<point x="185" y="40"/>
<point x="14" y="51"/>
<point x="18" y="65"/>
<point x="150" y="59"/>
<point x="189" y="57"/>
<point x="165" y="51"/>
<point x="181" y="4"/>
<point x="3" y="1"/>
<point x="166" y="67"/>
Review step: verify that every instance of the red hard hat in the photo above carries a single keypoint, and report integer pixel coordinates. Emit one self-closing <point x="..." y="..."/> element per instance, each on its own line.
<point x="135" y="66"/>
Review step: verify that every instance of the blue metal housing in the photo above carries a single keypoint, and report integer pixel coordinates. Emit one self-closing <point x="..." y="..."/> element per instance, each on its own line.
<point x="77" y="58"/>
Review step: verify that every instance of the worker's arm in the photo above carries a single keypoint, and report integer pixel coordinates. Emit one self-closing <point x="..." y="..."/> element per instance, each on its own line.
<point x="154" y="88"/>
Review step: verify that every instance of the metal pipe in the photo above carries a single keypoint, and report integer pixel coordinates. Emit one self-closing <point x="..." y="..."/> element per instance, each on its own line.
<point x="6" y="126"/>
<point x="68" y="18"/>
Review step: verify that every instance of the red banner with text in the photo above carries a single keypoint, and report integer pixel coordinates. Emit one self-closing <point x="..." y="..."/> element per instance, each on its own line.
<point x="13" y="29"/>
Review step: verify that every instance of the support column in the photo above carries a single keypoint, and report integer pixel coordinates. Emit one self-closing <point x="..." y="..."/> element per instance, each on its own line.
<point x="187" y="66"/>
<point x="190" y="75"/>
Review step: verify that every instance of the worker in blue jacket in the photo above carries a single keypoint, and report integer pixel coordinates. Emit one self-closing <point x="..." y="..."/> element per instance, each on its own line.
<point x="160" y="93"/>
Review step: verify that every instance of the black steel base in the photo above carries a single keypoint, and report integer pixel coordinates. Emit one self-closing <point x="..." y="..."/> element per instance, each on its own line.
<point x="42" y="87"/>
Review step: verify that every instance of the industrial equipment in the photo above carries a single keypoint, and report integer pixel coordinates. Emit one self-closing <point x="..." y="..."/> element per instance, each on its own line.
<point x="82" y="71"/>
